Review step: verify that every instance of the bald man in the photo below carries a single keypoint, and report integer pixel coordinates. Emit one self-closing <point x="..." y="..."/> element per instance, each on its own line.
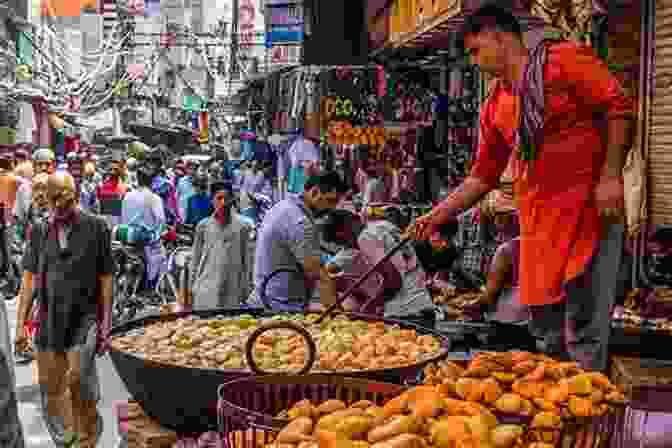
<point x="72" y="254"/>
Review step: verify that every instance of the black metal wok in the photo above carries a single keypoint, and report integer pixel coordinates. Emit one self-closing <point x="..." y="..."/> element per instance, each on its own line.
<point x="185" y="398"/>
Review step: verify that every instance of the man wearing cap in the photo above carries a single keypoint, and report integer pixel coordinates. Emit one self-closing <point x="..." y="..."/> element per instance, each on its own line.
<point x="110" y="194"/>
<point x="219" y="263"/>
<point x="568" y="177"/>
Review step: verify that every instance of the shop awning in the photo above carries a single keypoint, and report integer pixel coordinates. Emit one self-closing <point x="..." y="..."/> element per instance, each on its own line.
<point x="436" y="34"/>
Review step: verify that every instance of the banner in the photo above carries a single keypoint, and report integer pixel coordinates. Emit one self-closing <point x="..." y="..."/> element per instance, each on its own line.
<point x="66" y="8"/>
<point x="204" y="129"/>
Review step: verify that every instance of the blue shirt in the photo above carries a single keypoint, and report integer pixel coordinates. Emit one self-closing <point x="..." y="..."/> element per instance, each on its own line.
<point x="287" y="236"/>
<point x="199" y="207"/>
<point x="184" y="191"/>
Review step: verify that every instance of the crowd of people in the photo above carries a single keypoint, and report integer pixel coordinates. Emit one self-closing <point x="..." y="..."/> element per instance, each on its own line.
<point x="66" y="224"/>
<point x="551" y="261"/>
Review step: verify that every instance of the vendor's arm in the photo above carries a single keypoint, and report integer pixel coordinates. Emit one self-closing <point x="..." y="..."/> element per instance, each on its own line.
<point x="305" y="245"/>
<point x="598" y="88"/>
<point x="501" y="273"/>
<point x="304" y="242"/>
<point x="492" y="157"/>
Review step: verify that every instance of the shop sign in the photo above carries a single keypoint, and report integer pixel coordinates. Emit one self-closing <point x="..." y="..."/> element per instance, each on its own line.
<point x="268" y="3"/>
<point x="246" y="23"/>
<point x="284" y="34"/>
<point x="285" y="15"/>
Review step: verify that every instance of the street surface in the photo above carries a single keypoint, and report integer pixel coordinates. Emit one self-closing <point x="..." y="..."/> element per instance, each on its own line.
<point x="112" y="389"/>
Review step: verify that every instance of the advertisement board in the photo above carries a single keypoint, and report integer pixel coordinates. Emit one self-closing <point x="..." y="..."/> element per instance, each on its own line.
<point x="280" y="34"/>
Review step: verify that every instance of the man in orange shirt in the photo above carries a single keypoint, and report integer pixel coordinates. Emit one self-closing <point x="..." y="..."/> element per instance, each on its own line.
<point x="568" y="181"/>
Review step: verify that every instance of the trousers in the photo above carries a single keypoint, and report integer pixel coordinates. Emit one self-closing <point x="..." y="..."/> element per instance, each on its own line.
<point x="70" y="386"/>
<point x="578" y="328"/>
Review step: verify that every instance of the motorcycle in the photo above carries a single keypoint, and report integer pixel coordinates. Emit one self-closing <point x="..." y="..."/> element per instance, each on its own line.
<point x="179" y="254"/>
<point x="129" y="277"/>
<point x="132" y="295"/>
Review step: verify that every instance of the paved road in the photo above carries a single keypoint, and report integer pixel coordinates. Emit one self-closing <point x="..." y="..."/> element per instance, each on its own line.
<point x="113" y="389"/>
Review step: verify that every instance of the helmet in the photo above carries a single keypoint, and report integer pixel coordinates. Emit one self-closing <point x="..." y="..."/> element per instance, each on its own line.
<point x="43" y="155"/>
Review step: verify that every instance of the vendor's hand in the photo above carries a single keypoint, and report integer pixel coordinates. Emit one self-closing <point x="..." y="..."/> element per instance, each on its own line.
<point x="423" y="228"/>
<point x="609" y="197"/>
<point x="21" y="344"/>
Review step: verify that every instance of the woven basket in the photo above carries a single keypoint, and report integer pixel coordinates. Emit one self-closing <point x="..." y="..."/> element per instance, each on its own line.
<point x="247" y="407"/>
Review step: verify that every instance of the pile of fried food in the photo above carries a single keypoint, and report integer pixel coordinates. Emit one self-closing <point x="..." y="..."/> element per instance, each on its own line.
<point x="454" y="301"/>
<point x="647" y="306"/>
<point x="548" y="392"/>
<point x="501" y="400"/>
<point x="343" y="344"/>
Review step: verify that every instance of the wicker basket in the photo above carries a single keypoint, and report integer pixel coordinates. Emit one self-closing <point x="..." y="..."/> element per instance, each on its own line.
<point x="247" y="407"/>
<point x="648" y="385"/>
<point x="595" y="432"/>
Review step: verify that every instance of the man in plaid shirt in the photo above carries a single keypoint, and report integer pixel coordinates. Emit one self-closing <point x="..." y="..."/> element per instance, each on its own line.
<point x="481" y="230"/>
<point x="476" y="244"/>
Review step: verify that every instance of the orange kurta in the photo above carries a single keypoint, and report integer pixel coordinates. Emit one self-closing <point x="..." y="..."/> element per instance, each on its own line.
<point x="560" y="225"/>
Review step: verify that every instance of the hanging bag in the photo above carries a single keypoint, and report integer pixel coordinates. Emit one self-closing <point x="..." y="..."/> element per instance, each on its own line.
<point x="32" y="325"/>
